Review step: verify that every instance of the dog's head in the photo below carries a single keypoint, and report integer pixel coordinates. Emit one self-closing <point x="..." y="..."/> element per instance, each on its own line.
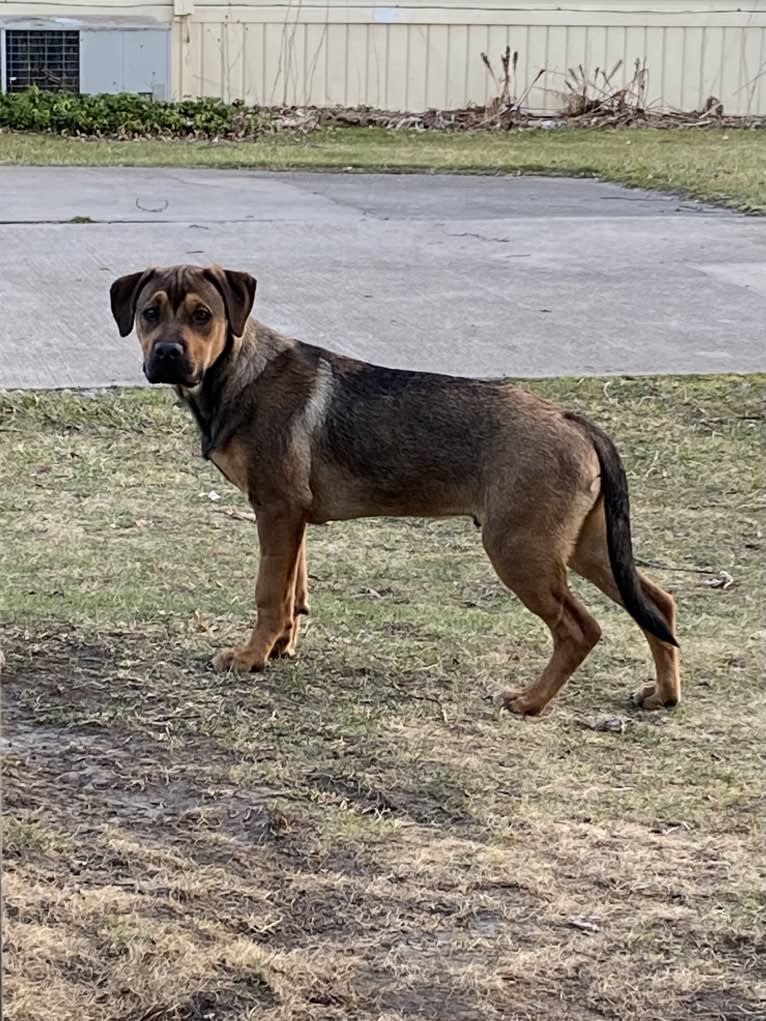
<point x="184" y="316"/>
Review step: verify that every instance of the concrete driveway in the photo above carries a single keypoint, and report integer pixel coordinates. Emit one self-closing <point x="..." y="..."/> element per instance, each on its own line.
<point x="473" y="275"/>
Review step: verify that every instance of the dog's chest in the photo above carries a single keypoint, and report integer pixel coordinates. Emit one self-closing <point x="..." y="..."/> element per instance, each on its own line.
<point x="231" y="461"/>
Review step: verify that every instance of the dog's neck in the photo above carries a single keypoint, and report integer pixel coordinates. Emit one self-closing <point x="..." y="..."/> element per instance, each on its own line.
<point x="194" y="399"/>
<point x="212" y="402"/>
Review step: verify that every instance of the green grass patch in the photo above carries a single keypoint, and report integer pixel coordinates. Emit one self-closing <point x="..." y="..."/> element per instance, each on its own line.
<point x="23" y="836"/>
<point x="720" y="165"/>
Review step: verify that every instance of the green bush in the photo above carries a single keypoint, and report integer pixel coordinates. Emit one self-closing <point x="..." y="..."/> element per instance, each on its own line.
<point x="128" y="116"/>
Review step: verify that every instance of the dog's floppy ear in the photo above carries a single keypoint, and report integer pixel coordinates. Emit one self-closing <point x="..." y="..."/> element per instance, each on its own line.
<point x="238" y="293"/>
<point x="124" y="294"/>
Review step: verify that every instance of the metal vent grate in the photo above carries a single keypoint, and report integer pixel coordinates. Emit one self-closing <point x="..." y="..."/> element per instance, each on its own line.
<point x="49" y="60"/>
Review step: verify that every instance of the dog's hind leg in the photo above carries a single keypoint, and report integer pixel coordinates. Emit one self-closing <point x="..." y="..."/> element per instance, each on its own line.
<point x="286" y="644"/>
<point x="591" y="561"/>
<point x="301" y="608"/>
<point x="281" y="536"/>
<point x="531" y="566"/>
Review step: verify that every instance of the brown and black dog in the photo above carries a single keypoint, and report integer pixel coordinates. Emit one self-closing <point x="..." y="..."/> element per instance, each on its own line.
<point x="311" y="436"/>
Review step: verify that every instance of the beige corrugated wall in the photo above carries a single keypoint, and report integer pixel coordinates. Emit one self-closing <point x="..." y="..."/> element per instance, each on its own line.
<point x="428" y="55"/>
<point x="418" y="56"/>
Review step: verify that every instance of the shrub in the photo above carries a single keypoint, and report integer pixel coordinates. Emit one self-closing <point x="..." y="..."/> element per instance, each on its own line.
<point x="125" y="115"/>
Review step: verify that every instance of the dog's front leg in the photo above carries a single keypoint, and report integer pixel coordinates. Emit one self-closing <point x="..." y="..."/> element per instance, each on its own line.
<point x="280" y="533"/>
<point x="287" y="642"/>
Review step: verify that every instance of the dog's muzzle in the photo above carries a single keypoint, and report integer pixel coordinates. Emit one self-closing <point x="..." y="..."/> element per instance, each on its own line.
<point x="168" y="364"/>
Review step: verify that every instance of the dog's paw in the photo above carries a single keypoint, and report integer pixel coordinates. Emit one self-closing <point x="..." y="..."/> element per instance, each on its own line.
<point x="647" y="697"/>
<point x="517" y="700"/>
<point x="283" y="648"/>
<point x="240" y="660"/>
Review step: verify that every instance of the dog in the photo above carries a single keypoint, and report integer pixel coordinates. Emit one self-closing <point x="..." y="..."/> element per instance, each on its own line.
<point x="311" y="436"/>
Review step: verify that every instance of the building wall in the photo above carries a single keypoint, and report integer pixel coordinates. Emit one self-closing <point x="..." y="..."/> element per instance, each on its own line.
<point x="416" y="56"/>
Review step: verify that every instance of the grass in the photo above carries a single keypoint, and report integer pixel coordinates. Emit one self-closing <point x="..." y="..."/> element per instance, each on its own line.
<point x="359" y="833"/>
<point x="721" y="165"/>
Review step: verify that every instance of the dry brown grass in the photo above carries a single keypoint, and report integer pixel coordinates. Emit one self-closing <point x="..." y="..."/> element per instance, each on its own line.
<point x="359" y="834"/>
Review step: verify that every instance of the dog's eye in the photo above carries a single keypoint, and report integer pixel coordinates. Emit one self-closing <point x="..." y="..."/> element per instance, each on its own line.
<point x="201" y="316"/>
<point x="151" y="314"/>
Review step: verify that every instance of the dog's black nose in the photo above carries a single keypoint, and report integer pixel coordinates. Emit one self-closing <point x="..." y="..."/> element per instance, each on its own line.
<point x="167" y="352"/>
<point x="168" y="363"/>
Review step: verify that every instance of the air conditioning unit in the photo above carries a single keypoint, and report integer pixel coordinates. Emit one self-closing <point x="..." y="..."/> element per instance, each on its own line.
<point x="88" y="59"/>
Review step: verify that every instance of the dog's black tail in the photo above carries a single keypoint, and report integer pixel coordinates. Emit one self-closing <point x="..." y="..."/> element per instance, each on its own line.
<point x="614" y="488"/>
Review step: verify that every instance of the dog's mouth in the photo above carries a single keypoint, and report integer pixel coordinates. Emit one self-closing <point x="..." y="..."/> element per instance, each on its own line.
<point x="177" y="374"/>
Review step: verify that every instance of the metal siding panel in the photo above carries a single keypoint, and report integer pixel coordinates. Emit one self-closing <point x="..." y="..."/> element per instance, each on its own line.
<point x="300" y="66"/>
<point x="29" y="14"/>
<point x="280" y="51"/>
<point x="575" y="51"/>
<point x="211" y="77"/>
<point x="232" y="60"/>
<point x="489" y="86"/>
<point x="635" y="50"/>
<point x="499" y="12"/>
<point x="356" y="65"/>
<point x="614" y="48"/>
<point x="146" y="62"/>
<point x="418" y="60"/>
<point x="755" y="91"/>
<point x="539" y="97"/>
<point x="252" y="64"/>
<point x="293" y="62"/>
<point x="500" y="37"/>
<point x="335" y="77"/>
<point x="690" y="95"/>
<point x="396" y="67"/>
<point x="730" y="47"/>
<point x="597" y="55"/>
<point x="653" y="48"/>
<point x="477" y="79"/>
<point x="555" y="58"/>
<point x="176" y="58"/>
<point x="673" y="91"/>
<point x="518" y="43"/>
<point x="415" y="73"/>
<point x="101" y="61"/>
<point x="743" y="60"/>
<point x="179" y="60"/>
<point x="751" y="71"/>
<point x="125" y="61"/>
<point x="377" y="40"/>
<point x="710" y="65"/>
<point x="456" y="68"/>
<point x="272" y="64"/>
<point x="751" y="96"/>
<point x="436" y="84"/>
<point x="195" y="62"/>
<point x="316" y="61"/>
<point x="302" y="85"/>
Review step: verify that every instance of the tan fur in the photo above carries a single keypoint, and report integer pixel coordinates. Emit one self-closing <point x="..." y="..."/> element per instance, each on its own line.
<point x="590" y="562"/>
<point x="233" y="462"/>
